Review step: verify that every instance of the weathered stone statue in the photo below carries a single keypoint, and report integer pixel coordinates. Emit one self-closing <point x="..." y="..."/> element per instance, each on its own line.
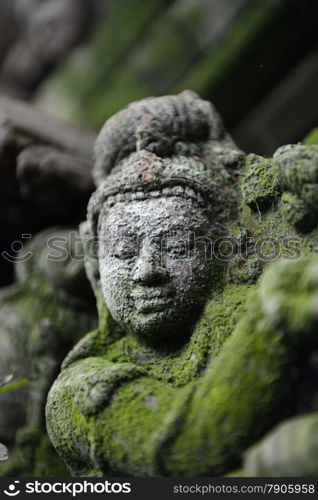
<point x="192" y="362"/>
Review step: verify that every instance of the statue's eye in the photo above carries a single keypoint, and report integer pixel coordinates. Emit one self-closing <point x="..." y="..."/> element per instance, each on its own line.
<point x="176" y="248"/>
<point x="123" y="248"/>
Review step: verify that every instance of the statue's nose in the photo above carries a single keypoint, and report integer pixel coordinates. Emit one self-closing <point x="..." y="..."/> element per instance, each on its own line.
<point x="149" y="269"/>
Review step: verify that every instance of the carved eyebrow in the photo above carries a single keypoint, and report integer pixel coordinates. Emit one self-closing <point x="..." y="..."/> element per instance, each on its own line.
<point x="119" y="234"/>
<point x="176" y="231"/>
<point x="190" y="225"/>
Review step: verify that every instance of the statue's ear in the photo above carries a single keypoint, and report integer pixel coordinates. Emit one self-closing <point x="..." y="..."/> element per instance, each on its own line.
<point x="90" y="247"/>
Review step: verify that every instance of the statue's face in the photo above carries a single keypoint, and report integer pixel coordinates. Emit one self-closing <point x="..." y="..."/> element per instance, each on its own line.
<point x="155" y="264"/>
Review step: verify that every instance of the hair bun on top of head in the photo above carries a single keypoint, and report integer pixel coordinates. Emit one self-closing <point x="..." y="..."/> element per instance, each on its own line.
<point x="182" y="124"/>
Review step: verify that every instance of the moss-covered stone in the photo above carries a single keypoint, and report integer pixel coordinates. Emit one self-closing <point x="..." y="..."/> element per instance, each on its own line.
<point x="296" y="213"/>
<point x="295" y="438"/>
<point x="298" y="175"/>
<point x="260" y="186"/>
<point x="191" y="399"/>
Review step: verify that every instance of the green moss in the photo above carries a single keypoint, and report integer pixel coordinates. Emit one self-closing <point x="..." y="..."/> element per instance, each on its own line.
<point x="296" y="213"/>
<point x="260" y="186"/>
<point x="37" y="301"/>
<point x="311" y="138"/>
<point x="182" y="364"/>
<point x="272" y="230"/>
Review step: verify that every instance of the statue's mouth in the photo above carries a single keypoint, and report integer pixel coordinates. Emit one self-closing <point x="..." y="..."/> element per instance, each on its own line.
<point x="152" y="301"/>
<point x="153" y="305"/>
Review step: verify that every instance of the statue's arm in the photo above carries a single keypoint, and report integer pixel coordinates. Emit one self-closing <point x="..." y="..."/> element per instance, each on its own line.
<point x="77" y="398"/>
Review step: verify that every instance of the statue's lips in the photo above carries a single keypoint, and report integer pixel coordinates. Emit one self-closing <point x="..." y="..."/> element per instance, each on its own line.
<point x="152" y="302"/>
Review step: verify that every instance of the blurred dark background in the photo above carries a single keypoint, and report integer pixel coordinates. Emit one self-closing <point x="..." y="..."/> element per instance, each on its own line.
<point x="257" y="60"/>
<point x="83" y="60"/>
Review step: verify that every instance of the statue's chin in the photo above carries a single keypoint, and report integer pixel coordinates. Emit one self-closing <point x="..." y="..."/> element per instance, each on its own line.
<point x="158" y="325"/>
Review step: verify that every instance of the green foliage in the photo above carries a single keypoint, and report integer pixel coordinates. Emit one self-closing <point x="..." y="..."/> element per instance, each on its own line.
<point x="14" y="385"/>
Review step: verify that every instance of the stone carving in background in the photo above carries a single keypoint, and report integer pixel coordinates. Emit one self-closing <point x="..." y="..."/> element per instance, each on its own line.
<point x="45" y="174"/>
<point x="45" y="181"/>
<point x="42" y="315"/>
<point x="48" y="30"/>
